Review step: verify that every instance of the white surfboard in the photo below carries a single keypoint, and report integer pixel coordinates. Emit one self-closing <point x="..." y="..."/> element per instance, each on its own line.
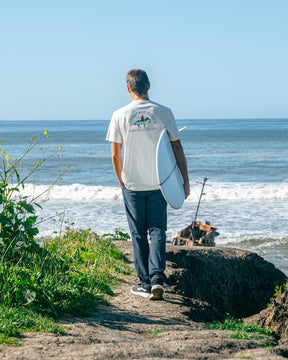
<point x="168" y="173"/>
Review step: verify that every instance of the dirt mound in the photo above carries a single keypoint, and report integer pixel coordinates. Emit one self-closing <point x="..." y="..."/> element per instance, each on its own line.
<point x="275" y="317"/>
<point x="217" y="281"/>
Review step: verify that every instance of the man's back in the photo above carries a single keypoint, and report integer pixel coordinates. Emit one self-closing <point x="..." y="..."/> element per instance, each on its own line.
<point x="138" y="126"/>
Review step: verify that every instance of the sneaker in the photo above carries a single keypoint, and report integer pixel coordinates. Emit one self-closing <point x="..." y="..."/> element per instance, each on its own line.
<point x="140" y="290"/>
<point x="157" y="290"/>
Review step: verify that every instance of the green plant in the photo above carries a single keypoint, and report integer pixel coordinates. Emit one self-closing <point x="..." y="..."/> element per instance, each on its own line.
<point x="118" y="235"/>
<point x="278" y="290"/>
<point x="155" y="333"/>
<point x="241" y="330"/>
<point x="245" y="335"/>
<point x="14" y="320"/>
<point x="78" y="268"/>
<point x="72" y="273"/>
<point x="93" y="266"/>
<point x="18" y="212"/>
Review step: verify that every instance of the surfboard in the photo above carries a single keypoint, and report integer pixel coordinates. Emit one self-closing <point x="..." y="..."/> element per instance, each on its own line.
<point x="168" y="173"/>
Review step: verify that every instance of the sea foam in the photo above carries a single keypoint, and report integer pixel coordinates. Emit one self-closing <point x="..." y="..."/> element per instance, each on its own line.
<point x="237" y="192"/>
<point x="74" y="192"/>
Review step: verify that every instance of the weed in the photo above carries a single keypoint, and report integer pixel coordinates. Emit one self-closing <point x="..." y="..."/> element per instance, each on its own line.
<point x="9" y="340"/>
<point x="240" y="329"/>
<point x="72" y="273"/>
<point x="278" y="291"/>
<point x="245" y="335"/>
<point x="17" y="212"/>
<point x="155" y="333"/>
<point x="118" y="235"/>
<point x="266" y="346"/>
<point x="14" y="320"/>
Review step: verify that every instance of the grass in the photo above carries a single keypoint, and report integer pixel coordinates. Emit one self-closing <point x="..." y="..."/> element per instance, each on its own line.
<point x="155" y="333"/>
<point x="14" y="321"/>
<point x="69" y="274"/>
<point x="240" y="330"/>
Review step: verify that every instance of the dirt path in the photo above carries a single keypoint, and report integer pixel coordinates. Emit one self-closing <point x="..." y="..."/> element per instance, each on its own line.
<point x="136" y="328"/>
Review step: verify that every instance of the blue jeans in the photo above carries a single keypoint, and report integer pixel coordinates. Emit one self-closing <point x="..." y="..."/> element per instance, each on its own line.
<point x="147" y="213"/>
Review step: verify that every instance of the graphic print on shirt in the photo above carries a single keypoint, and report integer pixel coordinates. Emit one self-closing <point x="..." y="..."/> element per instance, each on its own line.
<point x="142" y="120"/>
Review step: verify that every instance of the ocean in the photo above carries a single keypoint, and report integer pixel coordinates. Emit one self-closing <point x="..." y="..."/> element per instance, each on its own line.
<point x="244" y="160"/>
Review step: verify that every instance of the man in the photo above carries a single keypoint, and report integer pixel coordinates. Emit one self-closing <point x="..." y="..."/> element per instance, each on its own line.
<point x="137" y="127"/>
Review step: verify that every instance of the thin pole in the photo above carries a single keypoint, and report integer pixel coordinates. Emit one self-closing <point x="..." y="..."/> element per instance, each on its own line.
<point x="203" y="184"/>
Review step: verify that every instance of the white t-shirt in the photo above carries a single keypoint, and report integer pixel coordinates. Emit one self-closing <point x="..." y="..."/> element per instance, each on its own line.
<point x="138" y="126"/>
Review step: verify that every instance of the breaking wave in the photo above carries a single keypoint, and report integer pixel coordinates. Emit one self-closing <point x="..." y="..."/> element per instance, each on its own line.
<point x="236" y="192"/>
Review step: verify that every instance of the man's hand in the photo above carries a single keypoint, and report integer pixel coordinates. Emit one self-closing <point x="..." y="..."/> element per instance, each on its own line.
<point x="186" y="189"/>
<point x="182" y="163"/>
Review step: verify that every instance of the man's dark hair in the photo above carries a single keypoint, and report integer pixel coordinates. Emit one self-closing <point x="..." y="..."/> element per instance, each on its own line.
<point x="138" y="81"/>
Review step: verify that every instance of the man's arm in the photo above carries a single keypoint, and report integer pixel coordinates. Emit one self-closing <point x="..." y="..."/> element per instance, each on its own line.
<point x="182" y="163"/>
<point x="117" y="161"/>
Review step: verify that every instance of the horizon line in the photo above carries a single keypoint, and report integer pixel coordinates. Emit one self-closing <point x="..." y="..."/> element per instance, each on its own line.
<point x="208" y="118"/>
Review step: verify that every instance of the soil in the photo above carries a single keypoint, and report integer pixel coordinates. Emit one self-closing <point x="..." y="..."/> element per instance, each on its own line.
<point x="275" y="317"/>
<point x="216" y="281"/>
<point x="133" y="327"/>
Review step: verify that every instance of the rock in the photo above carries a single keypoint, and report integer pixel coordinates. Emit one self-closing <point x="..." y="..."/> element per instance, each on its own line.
<point x="275" y="318"/>
<point x="217" y="281"/>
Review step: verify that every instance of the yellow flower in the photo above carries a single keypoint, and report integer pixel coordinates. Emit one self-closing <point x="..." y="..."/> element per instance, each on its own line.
<point x="7" y="157"/>
<point x="59" y="147"/>
<point x="8" y="164"/>
<point x="58" y="170"/>
<point x="14" y="159"/>
<point x="3" y="152"/>
<point x="45" y="132"/>
<point x="41" y="148"/>
<point x="67" y="167"/>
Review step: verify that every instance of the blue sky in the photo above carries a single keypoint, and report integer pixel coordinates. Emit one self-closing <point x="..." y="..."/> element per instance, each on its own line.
<point x="68" y="59"/>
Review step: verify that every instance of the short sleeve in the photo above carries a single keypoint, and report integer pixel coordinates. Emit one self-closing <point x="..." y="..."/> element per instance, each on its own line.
<point x="114" y="133"/>
<point x="172" y="127"/>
